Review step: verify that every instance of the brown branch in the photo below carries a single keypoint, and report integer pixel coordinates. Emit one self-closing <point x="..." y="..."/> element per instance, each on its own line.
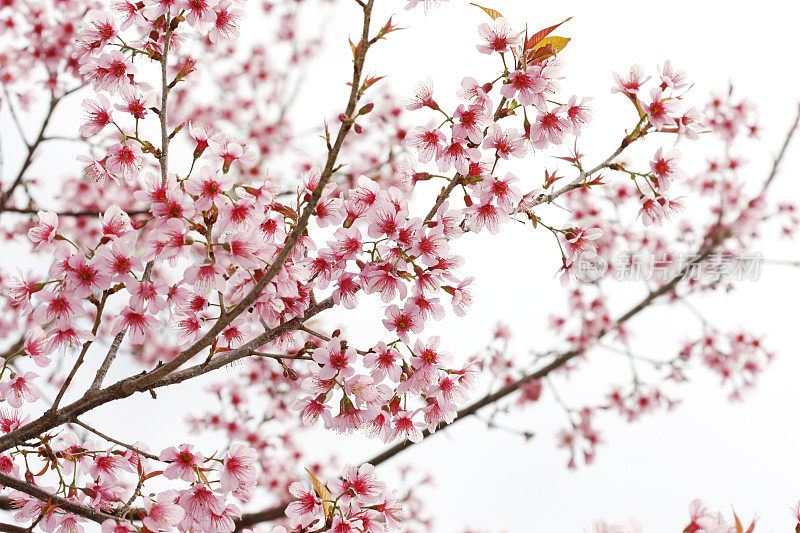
<point x="779" y="158"/>
<point x="71" y="412"/>
<point x="144" y="382"/>
<point x="14" y="348"/>
<point x="10" y="528"/>
<point x="97" y="382"/>
<point x="54" y="499"/>
<point x="6" y="195"/>
<point x="267" y="515"/>
<point x="89" y="213"/>
<point x="160" y="376"/>
<point x="163" y="162"/>
<point x="578" y="181"/>
<point x="243" y="351"/>
<point x="15" y="118"/>
<point x="163" y="158"/>
<point x="280" y="356"/>
<point x="443" y="196"/>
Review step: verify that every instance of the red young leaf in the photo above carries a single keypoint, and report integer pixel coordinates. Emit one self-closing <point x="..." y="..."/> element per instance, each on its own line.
<point x="549" y="179"/>
<point x="369" y="82"/>
<point x="534" y="39"/>
<point x="388" y="28"/>
<point x="596" y="181"/>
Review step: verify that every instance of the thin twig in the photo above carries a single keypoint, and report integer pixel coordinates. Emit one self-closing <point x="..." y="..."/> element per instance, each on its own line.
<point x="6" y="195"/>
<point x="280" y="356"/>
<point x="115" y="441"/>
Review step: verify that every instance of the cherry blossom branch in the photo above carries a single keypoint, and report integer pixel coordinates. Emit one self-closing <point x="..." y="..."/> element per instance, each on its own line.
<point x="578" y="181"/>
<point x="163" y="161"/>
<point x="70" y="413"/>
<point x="276" y="512"/>
<point x="443" y="196"/>
<point x="54" y="499"/>
<point x="273" y="513"/>
<point x="158" y="376"/>
<point x="705" y="251"/>
<point x="458" y="177"/>
<point x="243" y="351"/>
<point x="287" y="227"/>
<point x="302" y="223"/>
<point x="146" y="381"/>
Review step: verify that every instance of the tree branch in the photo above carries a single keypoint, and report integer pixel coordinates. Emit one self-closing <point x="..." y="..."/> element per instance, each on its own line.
<point x="6" y="195"/>
<point x="55" y="500"/>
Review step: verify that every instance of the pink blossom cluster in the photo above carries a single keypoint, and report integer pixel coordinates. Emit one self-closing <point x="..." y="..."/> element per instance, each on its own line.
<point x="107" y="63"/>
<point x="378" y="402"/>
<point x="355" y="501"/>
<point x="94" y="477"/>
<point x="38" y="40"/>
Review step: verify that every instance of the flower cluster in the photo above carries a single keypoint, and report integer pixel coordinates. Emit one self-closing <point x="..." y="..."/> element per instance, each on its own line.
<point x="355" y="501"/>
<point x="94" y="477"/>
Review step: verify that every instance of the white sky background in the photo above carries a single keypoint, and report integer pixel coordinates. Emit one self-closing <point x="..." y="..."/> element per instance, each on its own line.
<point x="742" y="454"/>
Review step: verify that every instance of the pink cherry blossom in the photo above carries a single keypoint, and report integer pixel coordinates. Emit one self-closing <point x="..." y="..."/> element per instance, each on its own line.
<point x="45" y="230"/>
<point x="98" y="115"/>
<point x="499" y="37"/>
<point x="19" y="389"/>
<point x="633" y="83"/>
<point x="136" y="322"/>
<point x="505" y="142"/>
<point x="164" y="513"/>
